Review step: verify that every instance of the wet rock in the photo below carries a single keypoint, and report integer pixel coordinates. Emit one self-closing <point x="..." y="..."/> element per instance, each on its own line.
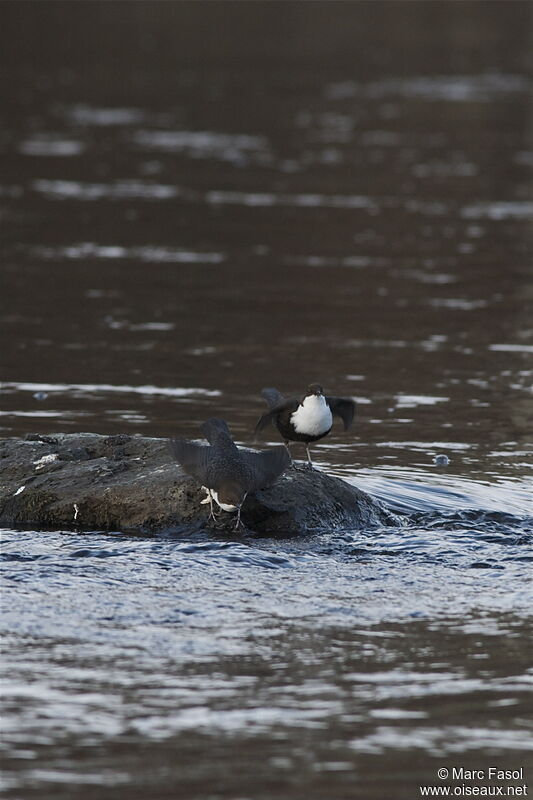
<point x="117" y="440"/>
<point x="38" y="437"/>
<point x="131" y="483"/>
<point x="75" y="454"/>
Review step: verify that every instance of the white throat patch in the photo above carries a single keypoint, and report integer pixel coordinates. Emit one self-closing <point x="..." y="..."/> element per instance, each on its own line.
<point x="313" y="416"/>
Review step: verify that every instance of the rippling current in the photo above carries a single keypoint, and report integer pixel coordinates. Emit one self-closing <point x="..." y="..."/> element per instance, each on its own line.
<point x="188" y="219"/>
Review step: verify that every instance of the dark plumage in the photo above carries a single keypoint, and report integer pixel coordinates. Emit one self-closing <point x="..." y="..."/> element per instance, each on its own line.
<point x="226" y="472"/>
<point x="307" y="418"/>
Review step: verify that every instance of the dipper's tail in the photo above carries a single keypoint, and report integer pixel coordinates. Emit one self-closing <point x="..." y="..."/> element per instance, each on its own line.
<point x="272" y="396"/>
<point x="214" y="429"/>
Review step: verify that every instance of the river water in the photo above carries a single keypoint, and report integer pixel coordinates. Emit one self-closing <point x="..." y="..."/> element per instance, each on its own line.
<point x="200" y="200"/>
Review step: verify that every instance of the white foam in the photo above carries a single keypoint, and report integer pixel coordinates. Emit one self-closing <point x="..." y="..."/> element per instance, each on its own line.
<point x="512" y="348"/>
<point x="93" y="388"/>
<point x="82" y="114"/>
<point x="149" y="253"/>
<point x="198" y="140"/>
<point x="511" y="209"/>
<point x="119" y="190"/>
<point x="412" y="400"/>
<point x="307" y="200"/>
<point x="50" y="145"/>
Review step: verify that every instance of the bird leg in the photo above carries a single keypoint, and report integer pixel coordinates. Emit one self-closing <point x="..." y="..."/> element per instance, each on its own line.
<point x="309" y="462"/>
<point x="238" y="523"/>
<point x="212" y="514"/>
<point x="291" y="463"/>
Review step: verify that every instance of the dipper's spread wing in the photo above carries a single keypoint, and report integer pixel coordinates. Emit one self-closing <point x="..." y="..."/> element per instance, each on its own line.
<point x="343" y="407"/>
<point x="276" y="403"/>
<point x="193" y="458"/>
<point x="265" y="467"/>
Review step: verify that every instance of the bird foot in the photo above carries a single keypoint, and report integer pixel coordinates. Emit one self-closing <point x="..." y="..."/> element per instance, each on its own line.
<point x="238" y="523"/>
<point x="212" y="514"/>
<point x="303" y="465"/>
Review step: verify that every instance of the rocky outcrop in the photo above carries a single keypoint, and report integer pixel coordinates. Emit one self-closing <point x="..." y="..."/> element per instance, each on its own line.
<point x="131" y="483"/>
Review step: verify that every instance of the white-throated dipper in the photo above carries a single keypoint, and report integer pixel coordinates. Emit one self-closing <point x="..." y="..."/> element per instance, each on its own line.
<point x="305" y="419"/>
<point x="226" y="472"/>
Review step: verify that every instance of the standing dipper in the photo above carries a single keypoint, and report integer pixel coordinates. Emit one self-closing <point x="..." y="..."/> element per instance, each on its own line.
<point x="226" y="472"/>
<point x="305" y="419"/>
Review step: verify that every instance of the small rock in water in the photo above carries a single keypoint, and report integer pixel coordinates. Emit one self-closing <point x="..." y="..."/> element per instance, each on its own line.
<point x="40" y="395"/>
<point x="441" y="461"/>
<point x="92" y="482"/>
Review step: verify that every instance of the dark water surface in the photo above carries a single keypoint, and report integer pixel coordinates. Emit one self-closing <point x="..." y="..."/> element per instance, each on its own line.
<point x="198" y="200"/>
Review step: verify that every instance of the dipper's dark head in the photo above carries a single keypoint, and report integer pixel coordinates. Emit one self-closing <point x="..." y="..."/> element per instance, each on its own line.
<point x="314" y="388"/>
